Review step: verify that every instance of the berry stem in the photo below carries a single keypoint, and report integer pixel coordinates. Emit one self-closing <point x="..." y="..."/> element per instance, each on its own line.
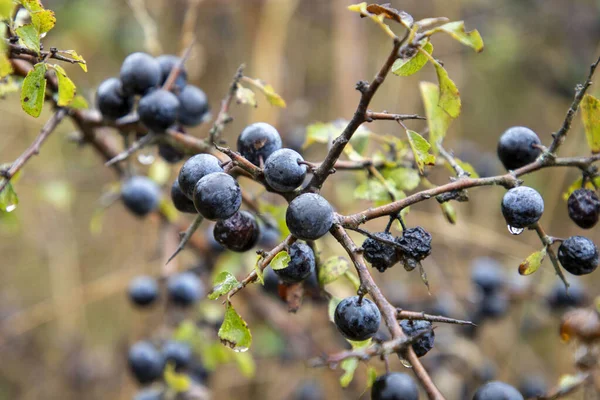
<point x="547" y="241"/>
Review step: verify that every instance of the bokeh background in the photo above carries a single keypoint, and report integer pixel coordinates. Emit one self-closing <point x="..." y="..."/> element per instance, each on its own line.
<point x="65" y="321"/>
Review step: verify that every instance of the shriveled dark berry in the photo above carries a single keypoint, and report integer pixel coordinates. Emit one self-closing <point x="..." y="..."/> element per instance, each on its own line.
<point x="196" y="168"/>
<point x="558" y="298"/>
<point x="185" y="289"/>
<point x="217" y="196"/>
<point x="169" y="153"/>
<point x="141" y="195"/>
<point x="522" y="206"/>
<point x="394" y="386"/>
<point x="415" y="245"/>
<point x="380" y="255"/>
<point x="143" y="291"/>
<point x="309" y="216"/>
<point x="194" y="106"/>
<point x="283" y="171"/>
<point x="158" y="110"/>
<point x="584" y="208"/>
<point x="140" y="72"/>
<point x="258" y="141"/>
<point x="302" y="263"/>
<point x="239" y="232"/>
<point x="179" y="353"/>
<point x="517" y="147"/>
<point x="167" y="62"/>
<point x="111" y="100"/>
<point x="180" y="200"/>
<point x="497" y="390"/>
<point x="357" y="319"/>
<point x="423" y="329"/>
<point x="488" y="275"/>
<point x="578" y="255"/>
<point x="145" y="362"/>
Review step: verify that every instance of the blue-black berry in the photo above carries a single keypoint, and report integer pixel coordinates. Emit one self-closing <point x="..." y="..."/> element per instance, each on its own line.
<point x="558" y="298"/>
<point x="309" y="216"/>
<point x="258" y="141"/>
<point x="522" y="206"/>
<point x="194" y="106"/>
<point x="380" y="255"/>
<point x="140" y="72"/>
<point x="240" y="232"/>
<point x="496" y="390"/>
<point x="178" y="353"/>
<point x="394" y="386"/>
<point x="217" y="196"/>
<point x="301" y="265"/>
<point x="185" y="289"/>
<point x="143" y="291"/>
<point x="145" y="362"/>
<point x="357" y="319"/>
<point x="488" y="275"/>
<point x="141" y="195"/>
<point x="169" y="153"/>
<point x="578" y="255"/>
<point x="422" y="329"/>
<point x="584" y="208"/>
<point x="180" y="200"/>
<point x="517" y="147"/>
<point x="158" y="110"/>
<point x="111" y="100"/>
<point x="194" y="169"/>
<point x="283" y="171"/>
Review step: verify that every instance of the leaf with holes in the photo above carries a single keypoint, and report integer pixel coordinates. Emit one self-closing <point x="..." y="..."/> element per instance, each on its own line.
<point x="410" y="66"/>
<point x="420" y="148"/>
<point x="223" y="284"/>
<point x="533" y="262"/>
<point x="34" y="90"/>
<point x="280" y="261"/>
<point x="457" y="31"/>
<point x="590" y="114"/>
<point x="234" y="331"/>
<point x="333" y="268"/>
<point x="29" y="37"/>
<point x="42" y="19"/>
<point x="66" y="87"/>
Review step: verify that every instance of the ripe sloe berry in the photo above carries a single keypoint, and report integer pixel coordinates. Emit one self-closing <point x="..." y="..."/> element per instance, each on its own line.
<point x="282" y="171"/>
<point x="158" y="110"/>
<point x="258" y="141"/>
<point x="488" y="275"/>
<point x="185" y="289"/>
<point x="522" y="206"/>
<point x="143" y="291"/>
<point x="140" y="195"/>
<point x="111" y="100"/>
<point x="394" y="386"/>
<point x="180" y="200"/>
<point x="357" y="319"/>
<point x="194" y="105"/>
<point x="584" y="208"/>
<point x="493" y="306"/>
<point x="309" y="216"/>
<point x="167" y="62"/>
<point x="178" y="353"/>
<point x="145" y="362"/>
<point x="301" y="265"/>
<point x="558" y="298"/>
<point x="139" y="73"/>
<point x="380" y="255"/>
<point x="578" y="255"/>
<point x="217" y="196"/>
<point x="194" y="169"/>
<point x="169" y="153"/>
<point x="516" y="147"/>
<point x="413" y="328"/>
<point x="497" y="390"/>
<point x="415" y="245"/>
<point x="239" y="232"/>
<point x="148" y="394"/>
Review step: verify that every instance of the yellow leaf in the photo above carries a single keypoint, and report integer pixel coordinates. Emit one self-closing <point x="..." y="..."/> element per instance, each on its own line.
<point x="457" y="31"/>
<point x="179" y="383"/>
<point x="533" y="262"/>
<point x="66" y="87"/>
<point x="590" y="114"/>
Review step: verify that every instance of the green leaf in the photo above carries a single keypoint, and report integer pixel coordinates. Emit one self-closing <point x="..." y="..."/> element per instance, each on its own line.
<point x="6" y="7"/>
<point x="278" y="214"/>
<point x="260" y="274"/>
<point x="34" y="90"/>
<point x="437" y="119"/>
<point x="43" y="20"/>
<point x="449" y="212"/>
<point x="331" y="306"/>
<point x="457" y="31"/>
<point x="223" y="283"/>
<point x="66" y="87"/>
<point x="360" y="140"/>
<point x="371" y="376"/>
<point x="244" y="95"/>
<point x="8" y="198"/>
<point x="353" y="279"/>
<point x="280" y="261"/>
<point x="8" y="85"/>
<point x="73" y="54"/>
<point x="234" y="331"/>
<point x="590" y="114"/>
<point x="167" y="209"/>
<point x="246" y="364"/>
<point x="185" y="332"/>
<point x="5" y="65"/>
<point x="79" y="103"/>
<point x="467" y="168"/>
<point x="533" y="262"/>
<point x="32" y="5"/>
<point x="420" y="148"/>
<point x="372" y="190"/>
<point x="176" y="381"/>
<point x="325" y="132"/>
<point x="449" y="94"/>
<point x="29" y="37"/>
<point x="403" y="178"/>
<point x="332" y="269"/>
<point x="410" y="66"/>
<point x="349" y="365"/>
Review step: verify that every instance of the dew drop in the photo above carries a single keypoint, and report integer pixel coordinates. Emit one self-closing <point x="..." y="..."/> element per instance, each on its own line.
<point x="514" y="231"/>
<point x="145" y="159"/>
<point x="10" y="208"/>
<point x="406" y="363"/>
<point x="240" y="349"/>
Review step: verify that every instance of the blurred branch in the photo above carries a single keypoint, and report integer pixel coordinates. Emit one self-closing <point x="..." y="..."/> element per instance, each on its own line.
<point x="223" y="118"/>
<point x="450" y="159"/>
<point x="148" y="25"/>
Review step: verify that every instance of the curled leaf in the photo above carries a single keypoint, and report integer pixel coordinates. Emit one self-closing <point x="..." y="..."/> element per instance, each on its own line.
<point x="533" y="262"/>
<point x="223" y="283"/>
<point x="280" y="261"/>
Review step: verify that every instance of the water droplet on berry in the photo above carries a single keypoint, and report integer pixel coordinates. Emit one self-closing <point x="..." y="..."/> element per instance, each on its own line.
<point x="514" y="231"/>
<point x="146" y="159"/>
<point x="406" y="363"/>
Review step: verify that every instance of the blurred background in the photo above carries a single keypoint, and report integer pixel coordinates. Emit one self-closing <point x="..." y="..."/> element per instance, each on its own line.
<point x="65" y="320"/>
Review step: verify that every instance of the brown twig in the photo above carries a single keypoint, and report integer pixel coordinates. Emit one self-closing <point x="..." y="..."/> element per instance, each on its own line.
<point x="385" y="116"/>
<point x="547" y="241"/>
<point x="34" y="148"/>
<point x="16" y="49"/>
<point x="223" y="118"/>
<point x="421" y="316"/>
<point x="460" y="172"/>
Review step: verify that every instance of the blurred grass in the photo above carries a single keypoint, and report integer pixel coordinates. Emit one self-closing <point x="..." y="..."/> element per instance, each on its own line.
<point x="64" y="319"/>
